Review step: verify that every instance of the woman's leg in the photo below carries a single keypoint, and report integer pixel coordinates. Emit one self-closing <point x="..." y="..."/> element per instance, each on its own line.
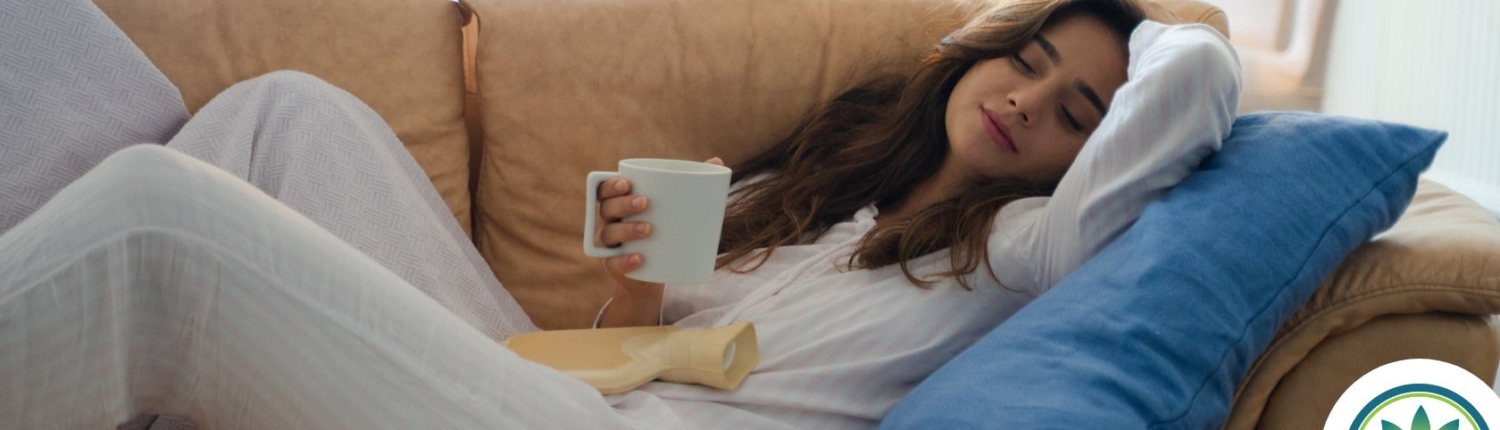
<point x="157" y="283"/>
<point x="324" y="153"/>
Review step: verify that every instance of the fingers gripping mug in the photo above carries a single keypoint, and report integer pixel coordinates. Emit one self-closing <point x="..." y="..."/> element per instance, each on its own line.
<point x="686" y="216"/>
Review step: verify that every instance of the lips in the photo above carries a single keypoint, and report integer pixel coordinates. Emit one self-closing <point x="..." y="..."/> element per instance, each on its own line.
<point x="999" y="133"/>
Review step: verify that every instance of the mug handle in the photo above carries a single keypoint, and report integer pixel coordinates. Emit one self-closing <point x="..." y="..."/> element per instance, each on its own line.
<point x="592" y="208"/>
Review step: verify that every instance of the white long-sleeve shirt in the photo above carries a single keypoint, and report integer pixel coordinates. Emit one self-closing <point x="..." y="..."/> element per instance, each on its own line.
<point x="839" y="348"/>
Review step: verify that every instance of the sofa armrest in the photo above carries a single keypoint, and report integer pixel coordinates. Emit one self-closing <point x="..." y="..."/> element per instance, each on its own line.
<point x="1442" y="256"/>
<point x="1308" y="391"/>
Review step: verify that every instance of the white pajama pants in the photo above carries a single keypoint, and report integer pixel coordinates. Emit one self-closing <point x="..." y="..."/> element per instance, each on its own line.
<point x="157" y="283"/>
<point x="322" y="152"/>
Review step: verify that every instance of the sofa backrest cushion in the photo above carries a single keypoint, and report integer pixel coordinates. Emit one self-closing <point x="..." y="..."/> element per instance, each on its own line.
<point x="401" y="58"/>
<point x="1158" y="329"/>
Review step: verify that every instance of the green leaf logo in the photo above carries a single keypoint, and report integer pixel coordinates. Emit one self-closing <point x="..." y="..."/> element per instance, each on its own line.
<point x="1419" y="422"/>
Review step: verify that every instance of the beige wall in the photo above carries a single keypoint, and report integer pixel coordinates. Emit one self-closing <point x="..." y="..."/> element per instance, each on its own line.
<point x="1430" y="63"/>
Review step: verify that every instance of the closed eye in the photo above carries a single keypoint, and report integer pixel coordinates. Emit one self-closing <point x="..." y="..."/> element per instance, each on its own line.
<point x="1068" y="119"/>
<point x="1022" y="64"/>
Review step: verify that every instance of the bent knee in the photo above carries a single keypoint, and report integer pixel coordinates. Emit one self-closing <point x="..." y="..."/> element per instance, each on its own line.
<point x="149" y="169"/>
<point x="283" y="83"/>
<point x="139" y="160"/>
<point x="288" y="79"/>
<point x="288" y="95"/>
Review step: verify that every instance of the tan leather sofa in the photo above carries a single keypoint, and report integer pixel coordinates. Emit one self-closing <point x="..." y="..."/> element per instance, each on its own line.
<point x="556" y="88"/>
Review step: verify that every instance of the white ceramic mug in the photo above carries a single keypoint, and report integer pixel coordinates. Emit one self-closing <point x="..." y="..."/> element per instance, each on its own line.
<point x="686" y="213"/>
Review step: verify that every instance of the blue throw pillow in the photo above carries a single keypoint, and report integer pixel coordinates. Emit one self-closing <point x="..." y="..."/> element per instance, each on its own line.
<point x="1158" y="329"/>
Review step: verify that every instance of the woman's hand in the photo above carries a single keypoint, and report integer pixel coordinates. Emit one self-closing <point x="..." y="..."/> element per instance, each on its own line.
<point x="615" y="202"/>
<point x="635" y="303"/>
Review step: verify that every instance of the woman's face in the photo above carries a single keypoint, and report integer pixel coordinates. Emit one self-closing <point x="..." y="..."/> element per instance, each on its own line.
<point x="1026" y="116"/>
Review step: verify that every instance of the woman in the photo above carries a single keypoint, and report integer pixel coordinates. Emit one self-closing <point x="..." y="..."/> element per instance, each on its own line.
<point x="854" y="246"/>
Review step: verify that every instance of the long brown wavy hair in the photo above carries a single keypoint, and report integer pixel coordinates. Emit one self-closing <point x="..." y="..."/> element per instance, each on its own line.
<point x="876" y="142"/>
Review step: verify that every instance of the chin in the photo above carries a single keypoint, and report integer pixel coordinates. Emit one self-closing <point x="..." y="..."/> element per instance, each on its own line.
<point x="985" y="160"/>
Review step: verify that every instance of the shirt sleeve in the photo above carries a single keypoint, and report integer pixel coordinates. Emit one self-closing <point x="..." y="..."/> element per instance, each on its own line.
<point x="1175" y="108"/>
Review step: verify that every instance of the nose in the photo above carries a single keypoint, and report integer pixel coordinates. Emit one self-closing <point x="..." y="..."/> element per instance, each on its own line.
<point x="1015" y="104"/>
<point x="1032" y="102"/>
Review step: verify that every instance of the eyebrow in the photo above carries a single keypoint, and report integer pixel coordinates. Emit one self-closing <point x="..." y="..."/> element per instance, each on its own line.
<point x="1088" y="92"/>
<point x="1093" y="97"/>
<point x="1049" y="49"/>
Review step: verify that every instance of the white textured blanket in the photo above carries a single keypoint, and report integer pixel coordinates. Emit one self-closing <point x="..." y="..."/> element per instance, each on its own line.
<point x="73" y="89"/>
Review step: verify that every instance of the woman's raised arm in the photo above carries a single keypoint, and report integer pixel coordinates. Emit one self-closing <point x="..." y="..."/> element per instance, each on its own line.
<point x="1175" y="109"/>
